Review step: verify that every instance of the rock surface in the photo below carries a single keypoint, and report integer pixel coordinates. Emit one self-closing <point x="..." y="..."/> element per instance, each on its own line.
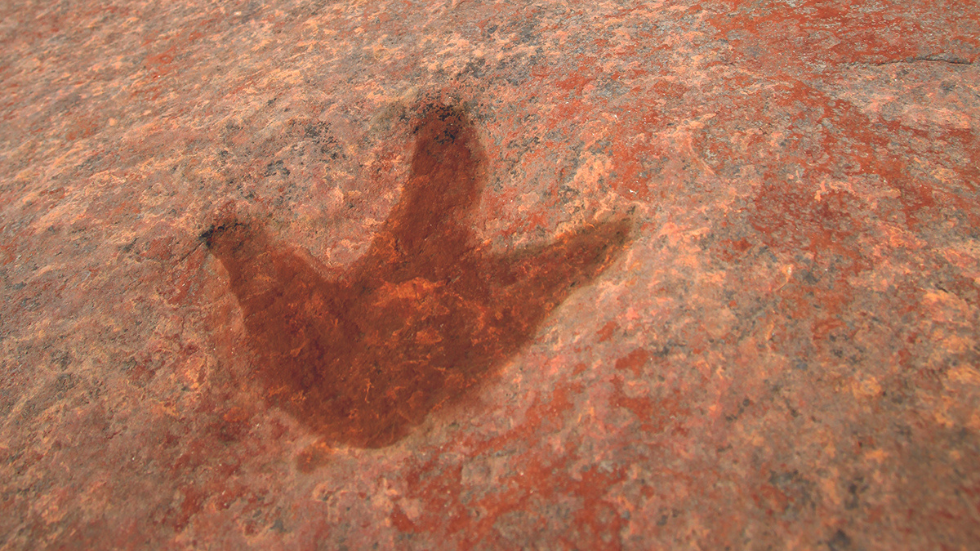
<point x="785" y="354"/>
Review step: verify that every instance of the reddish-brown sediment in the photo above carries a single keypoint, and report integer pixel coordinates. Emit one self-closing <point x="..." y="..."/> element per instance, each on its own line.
<point x="417" y="322"/>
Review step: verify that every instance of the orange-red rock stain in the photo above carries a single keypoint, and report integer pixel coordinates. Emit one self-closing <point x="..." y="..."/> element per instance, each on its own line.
<point x="420" y="320"/>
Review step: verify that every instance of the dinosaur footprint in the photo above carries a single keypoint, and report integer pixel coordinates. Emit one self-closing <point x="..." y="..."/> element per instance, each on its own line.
<point x="420" y="319"/>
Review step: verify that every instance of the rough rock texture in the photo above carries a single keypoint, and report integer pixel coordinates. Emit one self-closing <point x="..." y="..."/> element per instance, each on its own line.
<point x="785" y="355"/>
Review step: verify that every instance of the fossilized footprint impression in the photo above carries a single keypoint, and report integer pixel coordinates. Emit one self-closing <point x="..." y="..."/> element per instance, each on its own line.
<point x="420" y="319"/>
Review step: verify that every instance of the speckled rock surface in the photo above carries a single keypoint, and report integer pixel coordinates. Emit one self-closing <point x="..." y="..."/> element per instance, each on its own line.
<point x="785" y="355"/>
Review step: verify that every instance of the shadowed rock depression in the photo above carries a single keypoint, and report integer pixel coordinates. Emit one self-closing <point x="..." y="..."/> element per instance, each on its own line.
<point x="419" y="320"/>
